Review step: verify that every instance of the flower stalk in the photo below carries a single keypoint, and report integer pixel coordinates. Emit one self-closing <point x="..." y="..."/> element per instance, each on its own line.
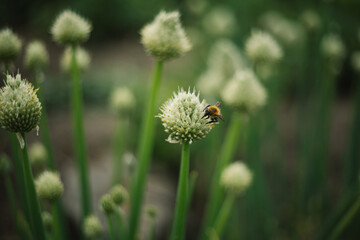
<point x="224" y="214"/>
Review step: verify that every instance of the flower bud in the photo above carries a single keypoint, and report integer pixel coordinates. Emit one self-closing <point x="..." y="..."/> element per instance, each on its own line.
<point x="36" y="56"/>
<point x="92" y="227"/>
<point x="10" y="45"/>
<point x="236" y="178"/>
<point x="47" y="220"/>
<point x="244" y="92"/>
<point x="82" y="59"/>
<point x="119" y="194"/>
<point x="4" y="164"/>
<point x="38" y="155"/>
<point x="355" y="61"/>
<point x="151" y="212"/>
<point x="49" y="186"/>
<point x="261" y="47"/>
<point x="122" y="100"/>
<point x="165" y="38"/>
<point x="20" y="108"/>
<point x="107" y="204"/>
<point x="182" y="117"/>
<point x="70" y="28"/>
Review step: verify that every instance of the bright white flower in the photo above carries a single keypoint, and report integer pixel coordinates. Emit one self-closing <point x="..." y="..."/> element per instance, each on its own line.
<point x="10" y="45"/>
<point x="236" y="177"/>
<point x="182" y="118"/>
<point x="261" y="47"/>
<point x="49" y="186"/>
<point x="244" y="92"/>
<point x="36" y="56"/>
<point x="165" y="38"/>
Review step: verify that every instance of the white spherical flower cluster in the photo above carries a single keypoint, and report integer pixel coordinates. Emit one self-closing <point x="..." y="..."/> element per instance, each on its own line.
<point x="220" y="21"/>
<point x="182" y="117"/>
<point x="261" y="47"/>
<point x="70" y="28"/>
<point x="36" y="56"/>
<point x="332" y="47"/>
<point x="165" y="38"/>
<point x="244" y="92"/>
<point x="311" y="20"/>
<point x="122" y="100"/>
<point x="10" y="45"/>
<point x="355" y="61"/>
<point x="20" y="108"/>
<point x="82" y="59"/>
<point x="38" y="154"/>
<point x="92" y="227"/>
<point x="49" y="186"/>
<point x="236" y="178"/>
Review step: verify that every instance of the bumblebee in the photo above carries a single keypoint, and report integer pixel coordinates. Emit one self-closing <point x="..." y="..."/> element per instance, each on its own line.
<point x="212" y="112"/>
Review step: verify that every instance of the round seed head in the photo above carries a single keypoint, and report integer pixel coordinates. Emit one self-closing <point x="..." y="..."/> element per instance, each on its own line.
<point x="70" y="28"/>
<point x="10" y="45"/>
<point x="182" y="117"/>
<point x="122" y="100"/>
<point x="20" y="108"/>
<point x="82" y="59"/>
<point x="107" y="204"/>
<point x="38" y="155"/>
<point x="36" y="55"/>
<point x="49" y="186"/>
<point x="165" y="38"/>
<point x="355" y="61"/>
<point x="261" y="47"/>
<point x="244" y="92"/>
<point x="236" y="178"/>
<point x="119" y="194"/>
<point x="92" y="227"/>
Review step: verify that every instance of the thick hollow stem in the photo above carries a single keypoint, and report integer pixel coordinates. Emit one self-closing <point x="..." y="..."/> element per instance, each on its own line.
<point x="227" y="152"/>
<point x="111" y="227"/>
<point x="179" y="226"/>
<point x="56" y="222"/>
<point x="118" y="149"/>
<point x="37" y="226"/>
<point x="144" y="153"/>
<point x="79" y="137"/>
<point x="224" y="214"/>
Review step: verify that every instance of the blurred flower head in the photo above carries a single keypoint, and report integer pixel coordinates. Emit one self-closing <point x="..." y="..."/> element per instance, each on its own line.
<point x="4" y="164"/>
<point x="36" y="56"/>
<point x="122" y="101"/>
<point x="10" y="45"/>
<point x="92" y="227"/>
<point x="332" y="47"/>
<point x="38" y="154"/>
<point x="47" y="220"/>
<point x="220" y="21"/>
<point x="82" y="58"/>
<point x="244" y="92"/>
<point x="355" y="61"/>
<point x="70" y="28"/>
<point x="165" y="38"/>
<point x="310" y="19"/>
<point x="261" y="47"/>
<point x="119" y="194"/>
<point x="49" y="186"/>
<point x="20" y="108"/>
<point x="107" y="204"/>
<point x="182" y="117"/>
<point x="236" y="177"/>
<point x="152" y="211"/>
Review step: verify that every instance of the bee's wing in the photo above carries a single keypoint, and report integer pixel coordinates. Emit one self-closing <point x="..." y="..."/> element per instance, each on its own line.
<point x="218" y="104"/>
<point x="221" y="117"/>
<point x="206" y="107"/>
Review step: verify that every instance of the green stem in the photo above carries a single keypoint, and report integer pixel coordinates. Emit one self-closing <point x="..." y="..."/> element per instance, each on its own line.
<point x="179" y="226"/>
<point x="34" y="206"/>
<point x="346" y="220"/>
<point x="227" y="152"/>
<point x="79" y="137"/>
<point x="152" y="233"/>
<point x="120" y="222"/>
<point x="111" y="227"/>
<point x="224" y="214"/>
<point x="192" y="182"/>
<point x="118" y="148"/>
<point x="144" y="153"/>
<point x="56" y="222"/>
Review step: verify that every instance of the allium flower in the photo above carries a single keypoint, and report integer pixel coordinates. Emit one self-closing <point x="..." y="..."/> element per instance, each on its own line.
<point x="49" y="186"/>
<point x="10" y="45"/>
<point x="236" y="177"/>
<point x="261" y="47"/>
<point x="122" y="100"/>
<point x="333" y="47"/>
<point x="36" y="56"/>
<point x="70" y="28"/>
<point x="220" y="21"/>
<point x="107" y="204"/>
<point x="244" y="92"/>
<point x="119" y="194"/>
<point x="92" y="227"/>
<point x="182" y="117"/>
<point x="20" y="109"/>
<point x="38" y="154"/>
<point x="310" y="19"/>
<point x="355" y="61"/>
<point x="82" y="59"/>
<point x="165" y="38"/>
